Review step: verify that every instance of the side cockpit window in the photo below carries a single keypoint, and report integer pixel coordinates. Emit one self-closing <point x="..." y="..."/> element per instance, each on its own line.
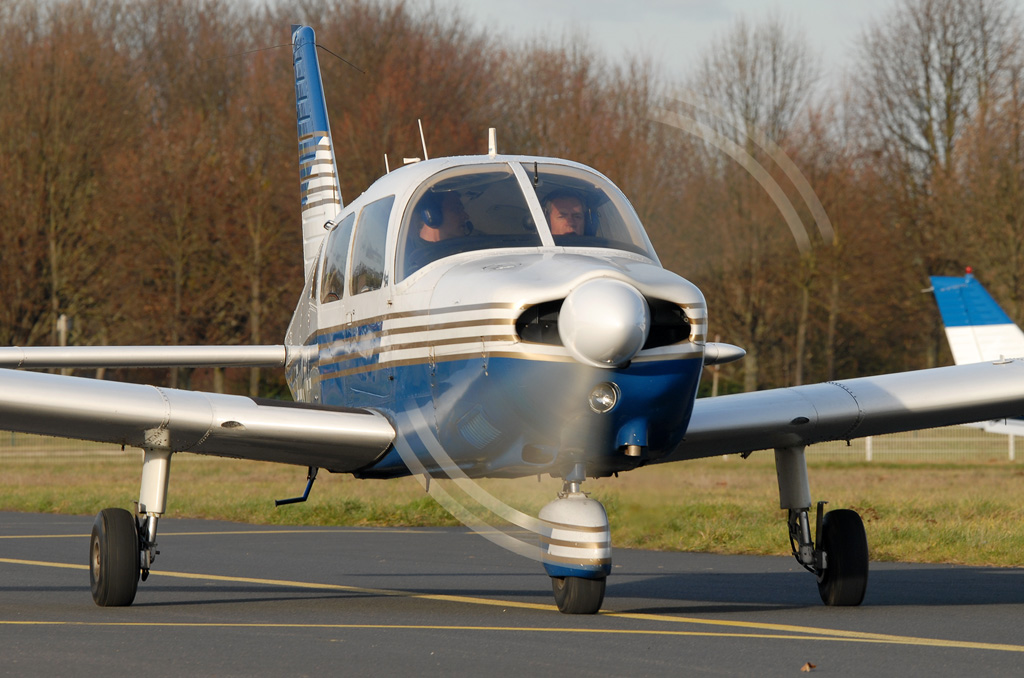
<point x="332" y="281"/>
<point x="462" y="210"/>
<point x="583" y="209"/>
<point x="369" y="245"/>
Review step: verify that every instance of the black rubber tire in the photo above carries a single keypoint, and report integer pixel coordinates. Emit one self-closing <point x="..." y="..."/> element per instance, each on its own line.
<point x="576" y="595"/>
<point x="114" y="558"/>
<point x="845" y="544"/>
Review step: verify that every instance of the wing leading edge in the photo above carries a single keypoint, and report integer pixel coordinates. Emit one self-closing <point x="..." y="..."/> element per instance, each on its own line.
<point x="37" y="357"/>
<point x="855" y="408"/>
<point x="337" y="439"/>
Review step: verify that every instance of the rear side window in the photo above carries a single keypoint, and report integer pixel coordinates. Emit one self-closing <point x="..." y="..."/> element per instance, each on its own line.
<point x="368" y="247"/>
<point x="332" y="283"/>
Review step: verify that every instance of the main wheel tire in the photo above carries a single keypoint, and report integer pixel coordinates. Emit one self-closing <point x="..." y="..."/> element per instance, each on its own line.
<point x="114" y="558"/>
<point x="845" y="544"/>
<point x="576" y="595"/>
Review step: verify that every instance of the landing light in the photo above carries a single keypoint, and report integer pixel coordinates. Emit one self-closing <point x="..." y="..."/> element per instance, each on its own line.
<point x="603" y="398"/>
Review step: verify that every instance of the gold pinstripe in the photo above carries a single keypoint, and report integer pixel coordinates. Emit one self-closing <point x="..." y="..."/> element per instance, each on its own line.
<point x="422" y="328"/>
<point x="379" y="349"/>
<point x="576" y="544"/>
<point x="414" y="314"/>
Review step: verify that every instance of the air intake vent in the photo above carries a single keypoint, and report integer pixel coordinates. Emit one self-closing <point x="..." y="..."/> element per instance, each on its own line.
<point x="669" y="325"/>
<point x="539" y="324"/>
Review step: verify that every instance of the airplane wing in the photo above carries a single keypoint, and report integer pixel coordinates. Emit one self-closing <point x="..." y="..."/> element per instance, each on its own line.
<point x="334" y="438"/>
<point x="36" y="357"/>
<point x="855" y="408"/>
<point x="345" y="440"/>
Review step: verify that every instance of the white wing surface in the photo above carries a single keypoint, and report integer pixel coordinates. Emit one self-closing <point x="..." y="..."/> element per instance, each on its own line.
<point x="855" y="408"/>
<point x="36" y="357"/>
<point x="333" y="438"/>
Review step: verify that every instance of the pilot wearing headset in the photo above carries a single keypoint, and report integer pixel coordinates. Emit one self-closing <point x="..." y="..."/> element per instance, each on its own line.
<point x="565" y="213"/>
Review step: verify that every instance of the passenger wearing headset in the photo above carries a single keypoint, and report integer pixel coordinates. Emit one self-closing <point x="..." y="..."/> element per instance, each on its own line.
<point x="443" y="217"/>
<point x="438" y="217"/>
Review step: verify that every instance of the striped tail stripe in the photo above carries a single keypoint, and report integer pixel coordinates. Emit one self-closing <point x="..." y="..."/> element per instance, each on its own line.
<point x="320" y="190"/>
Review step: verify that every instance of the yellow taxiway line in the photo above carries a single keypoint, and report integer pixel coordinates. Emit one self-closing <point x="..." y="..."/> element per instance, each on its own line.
<point x="337" y="530"/>
<point x="751" y="629"/>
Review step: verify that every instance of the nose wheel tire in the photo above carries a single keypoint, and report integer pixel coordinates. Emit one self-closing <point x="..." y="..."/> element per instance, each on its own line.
<point x="114" y="558"/>
<point x="576" y="595"/>
<point x="845" y="577"/>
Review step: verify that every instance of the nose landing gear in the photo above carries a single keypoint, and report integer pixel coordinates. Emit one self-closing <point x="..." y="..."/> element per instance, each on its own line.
<point x="577" y="552"/>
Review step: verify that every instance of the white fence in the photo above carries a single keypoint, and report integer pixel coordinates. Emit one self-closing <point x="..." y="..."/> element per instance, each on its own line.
<point x="951" y="444"/>
<point x="23" y="446"/>
<point x="936" y="445"/>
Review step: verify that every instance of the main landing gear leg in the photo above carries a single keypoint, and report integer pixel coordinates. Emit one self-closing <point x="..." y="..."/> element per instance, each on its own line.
<point x="121" y="549"/>
<point x="840" y="560"/>
<point x="578" y="550"/>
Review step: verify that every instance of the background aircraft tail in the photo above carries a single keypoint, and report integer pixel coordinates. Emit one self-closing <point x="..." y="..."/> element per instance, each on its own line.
<point x="977" y="329"/>
<point x="318" y="170"/>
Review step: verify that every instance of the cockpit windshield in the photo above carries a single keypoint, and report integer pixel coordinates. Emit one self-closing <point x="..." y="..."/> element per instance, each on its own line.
<point x="478" y="207"/>
<point x="584" y="210"/>
<point x="465" y="209"/>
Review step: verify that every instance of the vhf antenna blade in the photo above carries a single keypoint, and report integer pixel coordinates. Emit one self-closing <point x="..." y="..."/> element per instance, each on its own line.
<point x="423" y="139"/>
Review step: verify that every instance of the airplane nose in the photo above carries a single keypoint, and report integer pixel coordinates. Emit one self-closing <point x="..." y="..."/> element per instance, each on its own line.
<point x="604" y="323"/>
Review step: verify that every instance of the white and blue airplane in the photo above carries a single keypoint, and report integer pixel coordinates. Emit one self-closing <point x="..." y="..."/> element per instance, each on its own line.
<point x="483" y="316"/>
<point x="978" y="330"/>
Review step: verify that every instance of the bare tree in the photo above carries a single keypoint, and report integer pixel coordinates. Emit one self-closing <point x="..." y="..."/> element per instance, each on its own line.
<point x="66" y="112"/>
<point x="261" y="226"/>
<point x="991" y="183"/>
<point x="928" y="71"/>
<point x="925" y="70"/>
<point x="759" y="77"/>
<point x="754" y="83"/>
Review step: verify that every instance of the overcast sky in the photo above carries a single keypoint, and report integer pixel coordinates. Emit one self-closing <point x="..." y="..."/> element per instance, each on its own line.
<point x="676" y="32"/>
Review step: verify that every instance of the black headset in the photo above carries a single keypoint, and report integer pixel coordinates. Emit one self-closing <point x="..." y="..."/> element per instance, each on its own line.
<point x="429" y="210"/>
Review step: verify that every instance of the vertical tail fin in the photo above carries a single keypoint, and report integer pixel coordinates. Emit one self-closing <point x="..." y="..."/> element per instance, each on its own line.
<point x="977" y="329"/>
<point x="318" y="171"/>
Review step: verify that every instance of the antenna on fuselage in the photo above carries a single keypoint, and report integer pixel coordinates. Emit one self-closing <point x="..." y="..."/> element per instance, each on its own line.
<point x="492" y="142"/>
<point x="423" y="140"/>
<point x="387" y="168"/>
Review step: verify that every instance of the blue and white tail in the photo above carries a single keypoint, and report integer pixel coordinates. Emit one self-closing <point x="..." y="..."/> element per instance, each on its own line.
<point x="977" y="329"/>
<point x="320" y="192"/>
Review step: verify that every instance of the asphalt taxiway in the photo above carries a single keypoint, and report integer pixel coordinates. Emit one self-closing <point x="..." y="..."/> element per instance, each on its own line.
<point x="226" y="599"/>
